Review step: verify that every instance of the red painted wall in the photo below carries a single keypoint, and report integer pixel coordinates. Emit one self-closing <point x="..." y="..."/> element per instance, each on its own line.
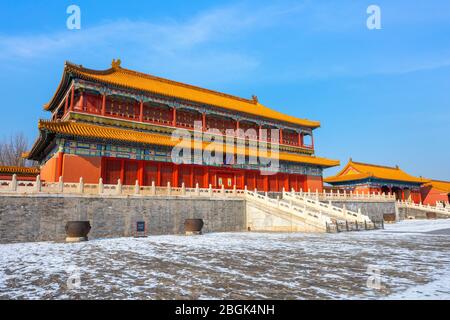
<point x="48" y="170"/>
<point x="431" y="196"/>
<point x="313" y="183"/>
<point x="75" y="167"/>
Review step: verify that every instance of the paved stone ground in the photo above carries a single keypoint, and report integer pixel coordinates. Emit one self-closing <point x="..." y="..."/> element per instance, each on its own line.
<point x="412" y="257"/>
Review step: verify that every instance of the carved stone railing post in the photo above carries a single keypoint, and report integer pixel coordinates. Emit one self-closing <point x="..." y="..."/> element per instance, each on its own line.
<point x="14" y="183"/>
<point x="183" y="189"/>
<point x="60" y="185"/>
<point x="222" y="190"/>
<point x="197" y="189"/>
<point x="169" y="189"/>
<point x="153" y="189"/>
<point x="210" y="190"/>
<point x="101" y="188"/>
<point x="38" y="183"/>
<point x="119" y="186"/>
<point x="81" y="185"/>
<point x="234" y="190"/>
<point x="137" y="187"/>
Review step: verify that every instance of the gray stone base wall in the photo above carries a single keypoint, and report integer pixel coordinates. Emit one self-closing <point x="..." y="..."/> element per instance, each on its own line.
<point x="408" y="213"/>
<point x="43" y="217"/>
<point x="375" y="210"/>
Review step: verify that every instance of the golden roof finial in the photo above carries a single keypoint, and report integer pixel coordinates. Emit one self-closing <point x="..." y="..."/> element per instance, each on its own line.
<point x="255" y="98"/>
<point x="115" y="64"/>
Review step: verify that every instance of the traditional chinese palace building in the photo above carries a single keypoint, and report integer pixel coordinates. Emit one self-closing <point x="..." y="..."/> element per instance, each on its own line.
<point x="369" y="178"/>
<point x="117" y="124"/>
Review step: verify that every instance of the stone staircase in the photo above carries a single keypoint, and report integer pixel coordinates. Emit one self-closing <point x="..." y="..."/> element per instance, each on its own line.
<point x="268" y="214"/>
<point x="299" y="214"/>
<point x="337" y="213"/>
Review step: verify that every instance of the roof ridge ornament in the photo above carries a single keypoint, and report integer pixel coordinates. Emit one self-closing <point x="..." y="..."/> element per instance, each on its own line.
<point x="255" y="99"/>
<point x="115" y="64"/>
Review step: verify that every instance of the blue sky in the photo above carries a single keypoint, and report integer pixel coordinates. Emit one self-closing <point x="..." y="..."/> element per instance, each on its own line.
<point x="382" y="96"/>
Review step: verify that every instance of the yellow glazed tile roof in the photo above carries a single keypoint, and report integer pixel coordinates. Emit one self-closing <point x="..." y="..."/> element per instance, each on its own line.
<point x="116" y="134"/>
<point x="357" y="171"/>
<point x="19" y="170"/>
<point x="439" y="185"/>
<point x="140" y="81"/>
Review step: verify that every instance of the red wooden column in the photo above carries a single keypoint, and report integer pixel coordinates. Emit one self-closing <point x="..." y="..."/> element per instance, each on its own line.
<point x="191" y="176"/>
<point x="266" y="183"/>
<point x="259" y="132"/>
<point x="122" y="171"/>
<point x="72" y="97"/>
<point x="81" y="106"/>
<point x="204" y="121"/>
<point x="312" y="141"/>
<point x="300" y="139"/>
<point x="59" y="165"/>
<point x="141" y="111"/>
<point x="175" y="175"/>
<point x="205" y="177"/>
<point x="103" y="169"/>
<point x="66" y="104"/>
<point x="141" y="173"/>
<point x="281" y="136"/>
<point x="103" y="104"/>
<point x="174" y="117"/>
<point x="158" y="175"/>
<point x="237" y="126"/>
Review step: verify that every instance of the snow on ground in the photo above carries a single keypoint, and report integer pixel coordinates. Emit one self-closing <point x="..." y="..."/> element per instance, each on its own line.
<point x="409" y="259"/>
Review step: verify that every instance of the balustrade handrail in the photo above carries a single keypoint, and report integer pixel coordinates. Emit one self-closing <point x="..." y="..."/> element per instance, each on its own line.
<point x="346" y="195"/>
<point x="440" y="209"/>
<point x="333" y="210"/>
<point x="61" y="187"/>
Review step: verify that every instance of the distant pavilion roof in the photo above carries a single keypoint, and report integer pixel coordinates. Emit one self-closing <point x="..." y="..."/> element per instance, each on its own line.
<point x="355" y="171"/>
<point x="115" y="134"/>
<point x="126" y="78"/>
